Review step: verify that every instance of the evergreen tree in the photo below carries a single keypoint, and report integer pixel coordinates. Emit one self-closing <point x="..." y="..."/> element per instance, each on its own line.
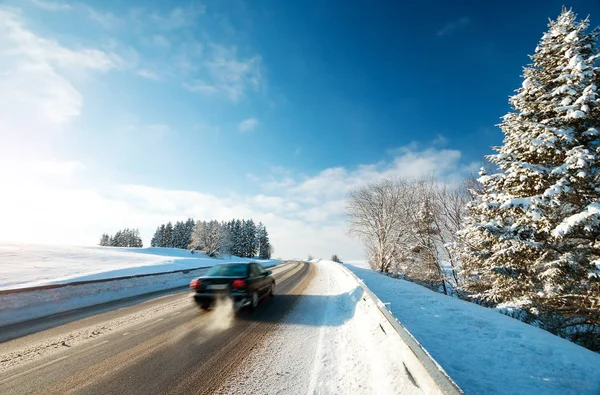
<point x="167" y="236"/>
<point x="249" y="242"/>
<point x="188" y="229"/>
<point x="157" y="238"/>
<point x="264" y="246"/>
<point x="236" y="238"/>
<point x="532" y="239"/>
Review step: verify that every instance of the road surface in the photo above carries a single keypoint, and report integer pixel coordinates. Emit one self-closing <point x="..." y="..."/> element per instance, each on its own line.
<point x="310" y="338"/>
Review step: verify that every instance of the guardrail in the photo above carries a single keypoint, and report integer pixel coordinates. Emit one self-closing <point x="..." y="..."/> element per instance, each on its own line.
<point x="102" y="280"/>
<point x="439" y="379"/>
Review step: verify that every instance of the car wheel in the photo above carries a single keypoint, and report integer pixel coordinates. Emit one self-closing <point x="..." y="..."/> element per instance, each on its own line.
<point x="271" y="290"/>
<point x="254" y="300"/>
<point x="205" y="306"/>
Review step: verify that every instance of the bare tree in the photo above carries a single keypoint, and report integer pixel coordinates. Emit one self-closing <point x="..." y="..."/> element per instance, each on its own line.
<point x="375" y="214"/>
<point x="409" y="227"/>
<point x="211" y="237"/>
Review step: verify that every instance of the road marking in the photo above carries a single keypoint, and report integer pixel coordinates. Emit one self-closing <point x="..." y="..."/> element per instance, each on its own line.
<point x="126" y="333"/>
<point x="174" y="314"/>
<point x="14" y="376"/>
<point x="94" y="345"/>
<point x="150" y="323"/>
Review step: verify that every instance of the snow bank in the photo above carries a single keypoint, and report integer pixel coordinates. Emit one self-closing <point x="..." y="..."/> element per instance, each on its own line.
<point x="19" y="307"/>
<point x="483" y="351"/>
<point x="24" y="266"/>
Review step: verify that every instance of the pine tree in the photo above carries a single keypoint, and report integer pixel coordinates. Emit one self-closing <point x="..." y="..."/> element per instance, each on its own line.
<point x="167" y="236"/>
<point x="157" y="238"/>
<point x="249" y="239"/>
<point x="189" y="228"/>
<point x="264" y="246"/>
<point x="532" y="239"/>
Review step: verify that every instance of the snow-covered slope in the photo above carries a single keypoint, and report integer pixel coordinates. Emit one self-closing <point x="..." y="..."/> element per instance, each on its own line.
<point x="484" y="351"/>
<point x="32" y="265"/>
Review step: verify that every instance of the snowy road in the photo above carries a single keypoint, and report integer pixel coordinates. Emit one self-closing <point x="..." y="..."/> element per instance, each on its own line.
<point x="318" y="335"/>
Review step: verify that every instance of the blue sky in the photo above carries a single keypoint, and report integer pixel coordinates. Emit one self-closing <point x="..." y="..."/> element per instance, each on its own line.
<point x="132" y="113"/>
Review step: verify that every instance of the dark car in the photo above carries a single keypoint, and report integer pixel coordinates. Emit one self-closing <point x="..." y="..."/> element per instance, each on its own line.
<point x="245" y="283"/>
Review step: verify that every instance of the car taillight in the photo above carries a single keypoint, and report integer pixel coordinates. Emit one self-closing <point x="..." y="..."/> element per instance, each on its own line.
<point x="196" y="284"/>
<point x="239" y="284"/>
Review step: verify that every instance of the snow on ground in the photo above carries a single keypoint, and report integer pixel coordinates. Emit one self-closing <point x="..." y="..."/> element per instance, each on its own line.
<point x="484" y="351"/>
<point x="330" y="343"/>
<point x="32" y="265"/>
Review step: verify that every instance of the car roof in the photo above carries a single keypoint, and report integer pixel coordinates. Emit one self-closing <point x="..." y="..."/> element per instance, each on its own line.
<point x="233" y="263"/>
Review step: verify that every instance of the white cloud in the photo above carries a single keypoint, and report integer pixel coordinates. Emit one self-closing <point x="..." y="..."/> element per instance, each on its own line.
<point x="51" y="5"/>
<point x="161" y="41"/>
<point x="39" y="94"/>
<point x="228" y="75"/>
<point x="452" y="26"/>
<point x="178" y="17"/>
<point x="147" y="74"/>
<point x="304" y="214"/>
<point x="440" y="140"/>
<point x="248" y="125"/>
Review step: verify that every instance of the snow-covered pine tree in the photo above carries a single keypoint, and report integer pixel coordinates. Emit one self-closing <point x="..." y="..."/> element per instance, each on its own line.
<point x="167" y="239"/>
<point x="236" y="238"/>
<point x="157" y="238"/>
<point x="531" y="242"/>
<point x="264" y="246"/>
<point x="250" y="242"/>
<point x="188" y="229"/>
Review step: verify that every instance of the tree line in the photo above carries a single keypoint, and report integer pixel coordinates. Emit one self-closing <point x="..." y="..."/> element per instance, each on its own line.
<point x="524" y="236"/>
<point x="243" y="238"/>
<point x="123" y="238"/>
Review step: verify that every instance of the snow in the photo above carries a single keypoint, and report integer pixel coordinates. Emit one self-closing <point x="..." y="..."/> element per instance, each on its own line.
<point x="567" y="225"/>
<point x="331" y="342"/>
<point x="484" y="351"/>
<point x="24" y="265"/>
<point x="18" y="307"/>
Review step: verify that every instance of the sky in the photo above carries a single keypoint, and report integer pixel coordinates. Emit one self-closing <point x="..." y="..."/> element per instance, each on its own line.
<point x="131" y="114"/>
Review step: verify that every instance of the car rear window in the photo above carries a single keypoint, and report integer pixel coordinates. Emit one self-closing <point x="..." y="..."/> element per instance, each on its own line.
<point x="228" y="270"/>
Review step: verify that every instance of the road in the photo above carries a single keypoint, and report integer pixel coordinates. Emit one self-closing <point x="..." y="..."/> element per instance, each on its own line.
<point x="318" y="335"/>
<point x="165" y="345"/>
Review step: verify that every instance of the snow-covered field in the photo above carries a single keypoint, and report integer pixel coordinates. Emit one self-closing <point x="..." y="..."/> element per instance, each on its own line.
<point x="33" y="265"/>
<point x="484" y="351"/>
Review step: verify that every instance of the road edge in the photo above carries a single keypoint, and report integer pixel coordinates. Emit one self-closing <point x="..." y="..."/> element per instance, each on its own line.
<point x="426" y="371"/>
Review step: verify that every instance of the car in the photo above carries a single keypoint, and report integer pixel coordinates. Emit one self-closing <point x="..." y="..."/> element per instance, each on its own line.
<point x="244" y="283"/>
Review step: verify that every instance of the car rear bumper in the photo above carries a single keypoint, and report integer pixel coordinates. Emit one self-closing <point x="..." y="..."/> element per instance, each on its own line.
<point x="210" y="299"/>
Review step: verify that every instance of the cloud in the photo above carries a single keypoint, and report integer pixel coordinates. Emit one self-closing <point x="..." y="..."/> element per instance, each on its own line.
<point x="161" y="41"/>
<point x="51" y="5"/>
<point x="37" y="92"/>
<point x="304" y="214"/>
<point x="440" y="140"/>
<point x="452" y="26"/>
<point x="248" y="125"/>
<point x="227" y="74"/>
<point x="147" y="74"/>
<point x="178" y="17"/>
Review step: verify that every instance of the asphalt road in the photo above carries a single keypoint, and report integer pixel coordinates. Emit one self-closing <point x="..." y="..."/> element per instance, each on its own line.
<point x="164" y="345"/>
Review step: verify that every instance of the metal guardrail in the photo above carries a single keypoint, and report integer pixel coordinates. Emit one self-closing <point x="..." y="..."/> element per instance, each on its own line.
<point x="442" y="380"/>
<point x="84" y="282"/>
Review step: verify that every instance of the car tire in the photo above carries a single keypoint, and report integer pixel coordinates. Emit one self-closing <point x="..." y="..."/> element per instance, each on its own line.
<point x="254" y="299"/>
<point x="205" y="307"/>
<point x="272" y="290"/>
